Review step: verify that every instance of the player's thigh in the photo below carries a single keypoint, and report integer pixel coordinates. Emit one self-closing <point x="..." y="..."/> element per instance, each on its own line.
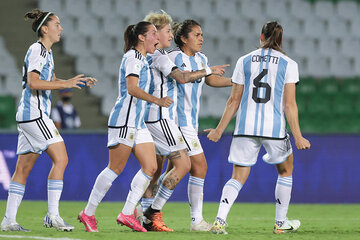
<point x="244" y="151"/>
<point x="57" y="153"/>
<point x="145" y="153"/>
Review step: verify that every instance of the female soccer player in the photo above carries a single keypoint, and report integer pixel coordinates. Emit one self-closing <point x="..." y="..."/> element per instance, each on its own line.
<point x="187" y="57"/>
<point x="37" y="132"/>
<point x="264" y="88"/>
<point x="161" y="121"/>
<point x="127" y="130"/>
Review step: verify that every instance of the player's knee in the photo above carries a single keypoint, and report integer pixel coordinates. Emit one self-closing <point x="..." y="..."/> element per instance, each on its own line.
<point x="150" y="170"/>
<point x="61" y="163"/>
<point x="186" y="165"/>
<point x="23" y="170"/>
<point x="285" y="171"/>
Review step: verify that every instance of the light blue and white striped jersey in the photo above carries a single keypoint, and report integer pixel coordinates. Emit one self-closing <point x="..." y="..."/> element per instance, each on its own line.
<point x="188" y="100"/>
<point x="129" y="110"/>
<point x="161" y="86"/>
<point x="264" y="73"/>
<point x="34" y="103"/>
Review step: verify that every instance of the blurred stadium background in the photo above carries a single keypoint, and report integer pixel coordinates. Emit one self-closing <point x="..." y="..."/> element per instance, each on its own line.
<point x="323" y="36"/>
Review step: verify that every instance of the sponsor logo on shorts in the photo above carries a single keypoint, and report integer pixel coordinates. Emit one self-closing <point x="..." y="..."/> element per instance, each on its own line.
<point x="131" y="136"/>
<point x="195" y="144"/>
<point x="56" y="132"/>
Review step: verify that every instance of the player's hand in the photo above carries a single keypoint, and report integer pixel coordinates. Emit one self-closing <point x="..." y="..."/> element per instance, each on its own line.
<point x="302" y="143"/>
<point x="75" y="82"/>
<point x="219" y="69"/>
<point x="213" y="135"/>
<point x="164" y="102"/>
<point x="90" y="81"/>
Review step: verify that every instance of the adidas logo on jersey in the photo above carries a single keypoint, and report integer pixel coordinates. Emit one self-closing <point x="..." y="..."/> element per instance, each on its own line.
<point x="183" y="65"/>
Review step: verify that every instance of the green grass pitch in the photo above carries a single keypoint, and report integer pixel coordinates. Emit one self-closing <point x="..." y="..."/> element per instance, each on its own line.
<point x="246" y="221"/>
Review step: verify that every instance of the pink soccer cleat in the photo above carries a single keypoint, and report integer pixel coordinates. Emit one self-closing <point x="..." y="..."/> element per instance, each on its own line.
<point x="130" y="221"/>
<point x="89" y="221"/>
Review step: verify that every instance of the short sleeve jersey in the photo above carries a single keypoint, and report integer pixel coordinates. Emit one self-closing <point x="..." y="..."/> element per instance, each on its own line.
<point x="189" y="94"/>
<point x="264" y="73"/>
<point x="34" y="103"/>
<point x="161" y="86"/>
<point x="129" y="110"/>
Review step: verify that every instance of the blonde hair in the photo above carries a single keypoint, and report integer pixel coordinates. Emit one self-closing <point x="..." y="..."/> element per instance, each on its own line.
<point x="159" y="19"/>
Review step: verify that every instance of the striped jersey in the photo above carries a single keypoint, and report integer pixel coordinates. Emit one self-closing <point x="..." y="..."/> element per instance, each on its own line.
<point x="188" y="100"/>
<point x="161" y="86"/>
<point x="264" y="73"/>
<point x="129" y="110"/>
<point x="34" y="103"/>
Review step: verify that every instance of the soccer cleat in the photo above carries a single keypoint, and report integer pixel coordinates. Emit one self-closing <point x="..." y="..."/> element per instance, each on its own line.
<point x="130" y="221"/>
<point x="203" y="226"/>
<point x="57" y="222"/>
<point x="138" y="213"/>
<point x="11" y="226"/>
<point x="90" y="222"/>
<point x="154" y="222"/>
<point x="288" y="226"/>
<point x="219" y="227"/>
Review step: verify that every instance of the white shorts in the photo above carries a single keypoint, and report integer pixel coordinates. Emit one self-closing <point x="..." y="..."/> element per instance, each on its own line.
<point x="167" y="136"/>
<point x="192" y="141"/>
<point x="128" y="136"/>
<point x="36" y="136"/>
<point x="244" y="150"/>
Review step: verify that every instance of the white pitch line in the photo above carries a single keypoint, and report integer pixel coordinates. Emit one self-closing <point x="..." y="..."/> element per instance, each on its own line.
<point x="35" y="237"/>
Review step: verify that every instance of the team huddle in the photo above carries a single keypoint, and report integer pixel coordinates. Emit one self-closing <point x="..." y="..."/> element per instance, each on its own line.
<point x="155" y="117"/>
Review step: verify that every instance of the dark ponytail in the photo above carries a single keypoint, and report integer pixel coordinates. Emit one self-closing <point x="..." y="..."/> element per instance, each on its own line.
<point x="132" y="32"/>
<point x="182" y="30"/>
<point x="273" y="33"/>
<point x="38" y="17"/>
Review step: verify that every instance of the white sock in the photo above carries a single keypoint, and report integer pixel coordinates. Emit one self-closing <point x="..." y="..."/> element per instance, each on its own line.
<point x="229" y="194"/>
<point x="54" y="188"/>
<point x="195" y="195"/>
<point x="102" y="185"/>
<point x="282" y="197"/>
<point x="138" y="186"/>
<point x="15" y="195"/>
<point x="162" y="195"/>
<point x="146" y="203"/>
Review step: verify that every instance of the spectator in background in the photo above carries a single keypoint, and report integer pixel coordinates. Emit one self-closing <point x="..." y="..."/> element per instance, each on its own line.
<point x="64" y="114"/>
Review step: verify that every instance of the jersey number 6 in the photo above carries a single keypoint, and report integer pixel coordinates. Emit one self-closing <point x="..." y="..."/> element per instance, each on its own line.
<point x="259" y="85"/>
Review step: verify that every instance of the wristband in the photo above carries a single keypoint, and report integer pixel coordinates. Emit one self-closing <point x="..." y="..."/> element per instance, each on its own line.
<point x="208" y="71"/>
